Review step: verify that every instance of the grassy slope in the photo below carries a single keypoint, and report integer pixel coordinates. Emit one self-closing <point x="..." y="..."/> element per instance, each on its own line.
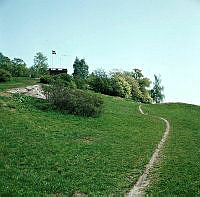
<point x="46" y="152"/>
<point x="177" y="173"/>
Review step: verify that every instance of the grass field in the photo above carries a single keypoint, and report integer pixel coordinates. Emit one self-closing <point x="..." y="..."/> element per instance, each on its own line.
<point x="178" y="171"/>
<point x="46" y="153"/>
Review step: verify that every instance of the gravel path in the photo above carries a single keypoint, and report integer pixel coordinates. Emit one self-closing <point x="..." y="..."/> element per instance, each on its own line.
<point x="144" y="179"/>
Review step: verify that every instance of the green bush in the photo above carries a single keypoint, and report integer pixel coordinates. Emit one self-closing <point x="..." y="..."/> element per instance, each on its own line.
<point x="66" y="79"/>
<point x="4" y="75"/>
<point x="81" y="83"/>
<point x="63" y="76"/>
<point x="74" y="101"/>
<point x="46" y="79"/>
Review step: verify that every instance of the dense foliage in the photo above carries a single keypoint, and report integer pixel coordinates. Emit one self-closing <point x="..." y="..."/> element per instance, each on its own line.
<point x="66" y="79"/>
<point x="4" y="75"/>
<point x="100" y="82"/>
<point x="46" y="79"/>
<point x="16" y="67"/>
<point x="123" y="84"/>
<point x="40" y="66"/>
<point x="80" y="69"/>
<point x="73" y="101"/>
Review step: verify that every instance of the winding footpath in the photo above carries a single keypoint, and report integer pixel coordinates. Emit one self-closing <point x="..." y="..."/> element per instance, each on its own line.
<point x="144" y="179"/>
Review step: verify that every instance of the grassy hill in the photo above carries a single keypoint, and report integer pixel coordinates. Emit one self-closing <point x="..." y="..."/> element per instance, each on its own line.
<point x="46" y="153"/>
<point x="177" y="173"/>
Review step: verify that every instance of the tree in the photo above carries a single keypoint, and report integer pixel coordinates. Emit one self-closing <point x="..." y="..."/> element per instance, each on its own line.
<point x="138" y="84"/>
<point x="144" y="84"/>
<point x="5" y="63"/>
<point x="19" y="68"/>
<point x="40" y="66"/>
<point x="16" y="67"/>
<point x="80" y="69"/>
<point x="156" y="92"/>
<point x="4" y="75"/>
<point x="100" y="82"/>
<point x="137" y="74"/>
<point x="121" y="87"/>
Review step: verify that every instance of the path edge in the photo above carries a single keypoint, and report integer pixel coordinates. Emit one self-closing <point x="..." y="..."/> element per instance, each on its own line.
<point x="142" y="183"/>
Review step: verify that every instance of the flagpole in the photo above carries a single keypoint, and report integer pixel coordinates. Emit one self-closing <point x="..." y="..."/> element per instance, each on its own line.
<point x="52" y="59"/>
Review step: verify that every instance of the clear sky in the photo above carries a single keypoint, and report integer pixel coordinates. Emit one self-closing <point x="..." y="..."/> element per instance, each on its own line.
<point x="157" y="36"/>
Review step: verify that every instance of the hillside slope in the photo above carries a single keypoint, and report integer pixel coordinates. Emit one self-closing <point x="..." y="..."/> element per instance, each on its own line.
<point x="46" y="152"/>
<point x="177" y="173"/>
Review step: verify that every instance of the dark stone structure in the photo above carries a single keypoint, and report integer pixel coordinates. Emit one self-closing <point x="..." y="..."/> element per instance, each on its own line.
<point x="55" y="71"/>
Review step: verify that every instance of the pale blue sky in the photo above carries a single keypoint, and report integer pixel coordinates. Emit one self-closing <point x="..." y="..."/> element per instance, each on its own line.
<point x="157" y="36"/>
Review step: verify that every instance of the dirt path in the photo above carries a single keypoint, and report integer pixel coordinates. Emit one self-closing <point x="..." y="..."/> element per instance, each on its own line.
<point x="144" y="179"/>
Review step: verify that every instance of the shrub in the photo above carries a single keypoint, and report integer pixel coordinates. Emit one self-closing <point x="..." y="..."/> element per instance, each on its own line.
<point x="46" y="79"/>
<point x="4" y="75"/>
<point x="66" y="79"/>
<point x="81" y="83"/>
<point x="74" y="101"/>
<point x="63" y="76"/>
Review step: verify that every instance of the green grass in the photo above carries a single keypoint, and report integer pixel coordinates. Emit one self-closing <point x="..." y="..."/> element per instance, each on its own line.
<point x="46" y="153"/>
<point x="17" y="82"/>
<point x="178" y="171"/>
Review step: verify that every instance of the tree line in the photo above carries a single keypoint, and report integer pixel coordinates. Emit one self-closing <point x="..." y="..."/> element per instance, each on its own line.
<point x="18" y="68"/>
<point x="131" y="85"/>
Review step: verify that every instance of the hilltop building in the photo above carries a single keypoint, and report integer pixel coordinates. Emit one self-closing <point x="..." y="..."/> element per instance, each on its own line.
<point x="55" y="71"/>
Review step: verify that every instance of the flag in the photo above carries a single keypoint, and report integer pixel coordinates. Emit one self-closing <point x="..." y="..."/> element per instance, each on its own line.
<point x="53" y="52"/>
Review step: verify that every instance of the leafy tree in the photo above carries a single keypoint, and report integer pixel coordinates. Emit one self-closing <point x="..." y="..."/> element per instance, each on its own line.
<point x="121" y="84"/>
<point x="80" y="69"/>
<point x="136" y="84"/>
<point x="156" y="92"/>
<point x="40" y="66"/>
<point x="19" y="68"/>
<point x="16" y="67"/>
<point x="100" y="73"/>
<point x="121" y="87"/>
<point x="136" y="93"/>
<point x="137" y="74"/>
<point x="100" y="82"/>
<point x="144" y="82"/>
<point x="4" y="75"/>
<point x="5" y="63"/>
